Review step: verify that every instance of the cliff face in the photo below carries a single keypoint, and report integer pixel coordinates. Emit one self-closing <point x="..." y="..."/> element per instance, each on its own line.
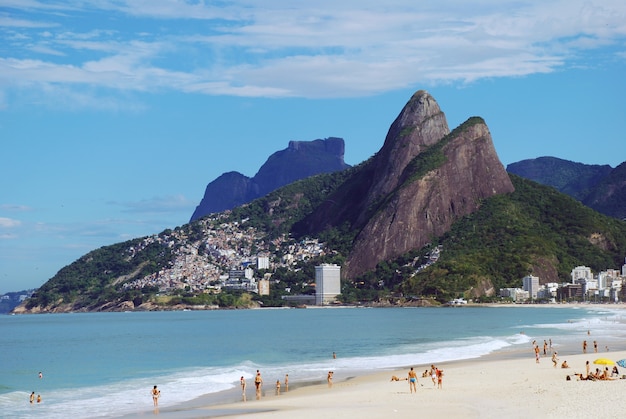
<point x="299" y="160"/>
<point x="423" y="179"/>
<point x="428" y="206"/>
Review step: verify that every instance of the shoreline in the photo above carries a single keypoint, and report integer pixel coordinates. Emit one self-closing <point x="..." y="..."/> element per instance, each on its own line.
<point x="501" y="384"/>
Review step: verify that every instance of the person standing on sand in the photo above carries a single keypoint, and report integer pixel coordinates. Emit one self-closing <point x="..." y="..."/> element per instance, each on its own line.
<point x="278" y="387"/>
<point x="329" y="378"/>
<point x="587" y="368"/>
<point x="242" y="381"/>
<point x="286" y="382"/>
<point x="156" y="393"/>
<point x="439" y="378"/>
<point x="258" y="383"/>
<point x="433" y="374"/>
<point x="537" y="354"/>
<point x="412" y="381"/>
<point x="595" y="346"/>
<point x="545" y="347"/>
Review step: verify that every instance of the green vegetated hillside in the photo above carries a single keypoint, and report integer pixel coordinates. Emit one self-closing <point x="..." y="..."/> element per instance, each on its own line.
<point x="535" y="230"/>
<point x="96" y="278"/>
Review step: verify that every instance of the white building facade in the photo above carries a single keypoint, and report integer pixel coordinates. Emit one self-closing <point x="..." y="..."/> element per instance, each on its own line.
<point x="531" y="284"/>
<point x="327" y="283"/>
<point x="581" y="272"/>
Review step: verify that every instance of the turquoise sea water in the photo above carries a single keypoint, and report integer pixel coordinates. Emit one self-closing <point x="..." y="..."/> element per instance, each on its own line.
<point x="104" y="364"/>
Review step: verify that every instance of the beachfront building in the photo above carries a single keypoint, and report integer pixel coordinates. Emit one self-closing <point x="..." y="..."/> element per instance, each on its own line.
<point x="581" y="272"/>
<point x="327" y="283"/>
<point x="531" y="284"/>
<point x="516" y="294"/>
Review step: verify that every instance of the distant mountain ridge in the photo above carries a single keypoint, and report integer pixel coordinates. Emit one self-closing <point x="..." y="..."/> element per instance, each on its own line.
<point x="299" y="160"/>
<point x="600" y="187"/>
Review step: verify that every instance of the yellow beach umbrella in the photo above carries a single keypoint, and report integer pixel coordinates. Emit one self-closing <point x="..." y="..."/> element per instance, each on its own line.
<point x="603" y="361"/>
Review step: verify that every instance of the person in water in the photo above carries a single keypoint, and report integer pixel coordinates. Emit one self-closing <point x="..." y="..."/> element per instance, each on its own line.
<point x="156" y="393"/>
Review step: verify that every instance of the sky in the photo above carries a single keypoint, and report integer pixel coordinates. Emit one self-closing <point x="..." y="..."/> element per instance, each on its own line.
<point x="116" y="114"/>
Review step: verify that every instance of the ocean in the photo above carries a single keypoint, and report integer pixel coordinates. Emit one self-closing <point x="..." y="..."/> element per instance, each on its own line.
<point x="103" y="365"/>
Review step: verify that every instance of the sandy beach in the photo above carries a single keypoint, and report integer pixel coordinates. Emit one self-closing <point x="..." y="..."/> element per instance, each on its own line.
<point x="510" y="385"/>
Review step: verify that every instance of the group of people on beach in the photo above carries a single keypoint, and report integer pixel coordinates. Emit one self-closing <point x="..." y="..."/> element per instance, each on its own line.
<point x="258" y="385"/>
<point x="435" y="374"/>
<point x="598" y="374"/>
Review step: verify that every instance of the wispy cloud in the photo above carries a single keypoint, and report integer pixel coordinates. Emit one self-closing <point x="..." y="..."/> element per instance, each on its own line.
<point x="9" y="223"/>
<point x="319" y="49"/>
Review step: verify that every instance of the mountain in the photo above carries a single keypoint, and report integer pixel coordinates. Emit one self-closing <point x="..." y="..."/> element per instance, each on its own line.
<point x="598" y="186"/>
<point x="573" y="179"/>
<point x="299" y="160"/>
<point x="433" y="214"/>
<point x="609" y="195"/>
<point x="423" y="180"/>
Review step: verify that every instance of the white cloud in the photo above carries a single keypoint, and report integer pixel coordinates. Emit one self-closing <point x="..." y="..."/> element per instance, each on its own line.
<point x="9" y="223"/>
<point x="318" y="49"/>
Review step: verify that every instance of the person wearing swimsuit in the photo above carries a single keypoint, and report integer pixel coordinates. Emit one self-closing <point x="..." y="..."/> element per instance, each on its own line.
<point x="412" y="381"/>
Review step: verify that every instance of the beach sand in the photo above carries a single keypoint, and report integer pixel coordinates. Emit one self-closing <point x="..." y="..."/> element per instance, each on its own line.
<point x="510" y="385"/>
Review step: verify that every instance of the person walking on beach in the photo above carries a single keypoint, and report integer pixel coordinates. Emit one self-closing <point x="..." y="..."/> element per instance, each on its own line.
<point x="278" y="387"/>
<point x="555" y="360"/>
<point x="156" y="393"/>
<point x="545" y="347"/>
<point x="584" y="346"/>
<point x="242" y="381"/>
<point x="433" y="374"/>
<point x="286" y="382"/>
<point x="329" y="378"/>
<point x="439" y="378"/>
<point x="258" y="383"/>
<point x="537" y="354"/>
<point x="412" y="381"/>
<point x="595" y="346"/>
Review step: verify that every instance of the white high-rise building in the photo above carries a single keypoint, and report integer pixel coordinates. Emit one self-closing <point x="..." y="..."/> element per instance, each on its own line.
<point x="327" y="283"/>
<point x="531" y="284"/>
<point x="581" y="272"/>
<point x="262" y="262"/>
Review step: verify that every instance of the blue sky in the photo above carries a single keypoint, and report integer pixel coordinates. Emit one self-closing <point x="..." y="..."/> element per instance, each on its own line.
<point x="115" y="114"/>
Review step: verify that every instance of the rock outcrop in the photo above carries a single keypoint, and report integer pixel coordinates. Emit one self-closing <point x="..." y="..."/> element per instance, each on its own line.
<point x="299" y="160"/>
<point x="423" y="179"/>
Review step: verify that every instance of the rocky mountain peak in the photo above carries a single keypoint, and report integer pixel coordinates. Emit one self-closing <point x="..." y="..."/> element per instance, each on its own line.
<point x="299" y="160"/>
<point x="420" y="124"/>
